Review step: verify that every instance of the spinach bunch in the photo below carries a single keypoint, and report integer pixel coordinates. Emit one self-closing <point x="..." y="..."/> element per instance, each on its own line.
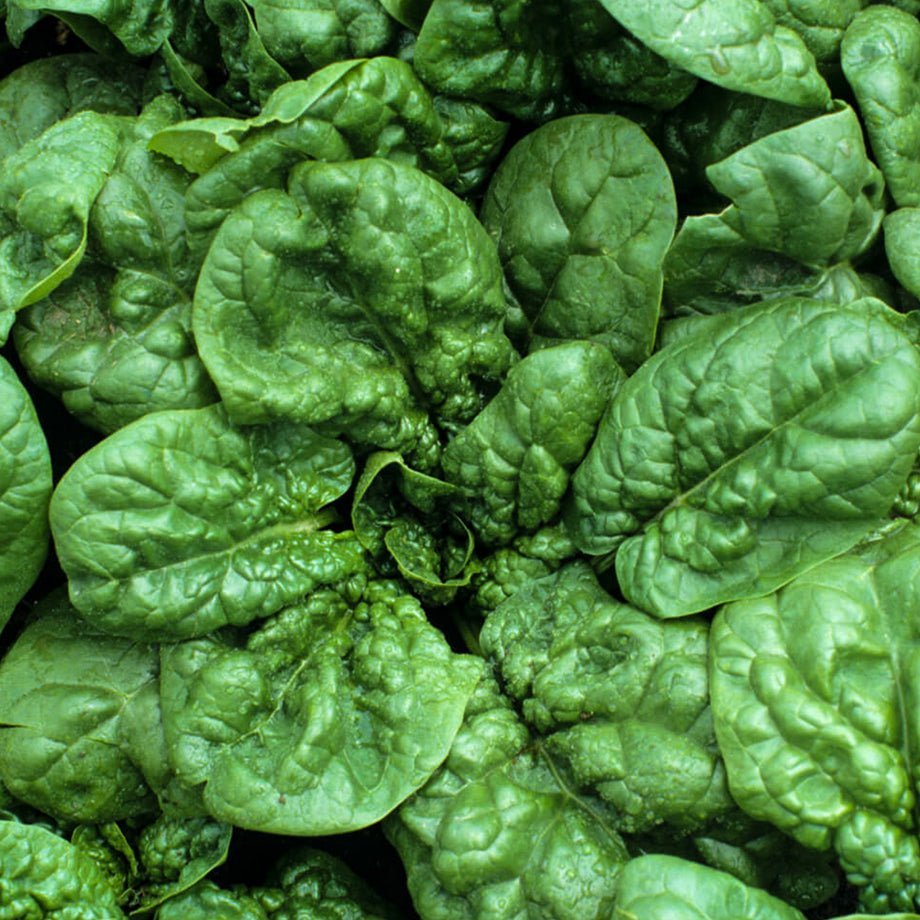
<point x="481" y="437"/>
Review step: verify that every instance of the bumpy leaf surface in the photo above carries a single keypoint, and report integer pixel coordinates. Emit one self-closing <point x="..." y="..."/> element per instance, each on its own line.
<point x="357" y="301"/>
<point x="813" y="692"/>
<point x="496" y="834"/>
<point x="45" y="877"/>
<point x="583" y="211"/>
<point x="25" y="489"/>
<point x="740" y="456"/>
<point x="324" y="720"/>
<point x="181" y="523"/>
<point x="620" y="699"/>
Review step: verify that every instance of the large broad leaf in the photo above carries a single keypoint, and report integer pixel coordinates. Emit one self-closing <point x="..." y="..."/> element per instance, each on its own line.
<point x="324" y="720"/>
<point x="813" y="694"/>
<point x="115" y="341"/>
<point x="803" y="199"/>
<point x="47" y="188"/>
<point x="392" y="305"/>
<point x="881" y="60"/>
<point x="71" y="702"/>
<point x="583" y="211"/>
<point x="513" y="461"/>
<point x="509" y="54"/>
<point x="740" y="456"/>
<point x="25" y="489"/>
<point x="734" y="43"/>
<point x="820" y="23"/>
<point x="181" y="523"/>
<point x="497" y="834"/>
<point x="45" y="876"/>
<point x="902" y="228"/>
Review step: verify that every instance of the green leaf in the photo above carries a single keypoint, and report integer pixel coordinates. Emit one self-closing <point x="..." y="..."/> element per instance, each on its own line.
<point x="621" y="700"/>
<point x="45" y="876"/>
<point x="305" y="35"/>
<point x="115" y="341"/>
<point x="181" y="523"/>
<point x="901" y="233"/>
<point x="664" y="887"/>
<point x="206" y="901"/>
<point x="513" y="461"/>
<point x="393" y="305"/>
<point x="68" y="698"/>
<point x="583" y="211"/>
<point x="733" y="43"/>
<point x="25" y="489"/>
<point x="38" y="94"/>
<point x="821" y="23"/>
<point x="813" y="692"/>
<point x="736" y="458"/>
<point x="508" y="54"/>
<point x="881" y="60"/>
<point x="47" y="188"/>
<point x="324" y="720"/>
<point x="496" y="834"/>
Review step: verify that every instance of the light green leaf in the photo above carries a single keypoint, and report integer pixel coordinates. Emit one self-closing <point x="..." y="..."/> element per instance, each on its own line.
<point x="901" y="233"/>
<point x="180" y="523"/>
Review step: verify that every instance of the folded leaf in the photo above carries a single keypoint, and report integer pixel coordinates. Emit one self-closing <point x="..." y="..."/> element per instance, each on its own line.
<point x="181" y="523"/>
<point x="736" y="458"/>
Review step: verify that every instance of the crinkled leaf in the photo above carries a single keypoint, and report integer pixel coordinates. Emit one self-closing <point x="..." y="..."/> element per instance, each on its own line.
<point x="881" y="60"/>
<point x="733" y="43"/>
<point x="475" y="139"/>
<point x="664" y="887"/>
<point x="68" y="696"/>
<point x="45" y="876"/>
<point x="813" y="692"/>
<point x="496" y="834"/>
<point x="583" y="211"/>
<point x="393" y="305"/>
<point x="181" y="523"/>
<point x="305" y="35"/>
<point x="206" y="901"/>
<point x="47" y="188"/>
<point x="736" y="458"/>
<point x="513" y="461"/>
<point x="621" y="699"/>
<point x="325" y="720"/>
<point x="109" y="849"/>
<point x="25" y="489"/>
<point x="508" y="53"/>
<point x="176" y="854"/>
<point x="345" y="111"/>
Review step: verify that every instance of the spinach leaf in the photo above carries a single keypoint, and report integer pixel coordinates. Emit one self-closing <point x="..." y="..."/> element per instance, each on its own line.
<point x="746" y="453"/>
